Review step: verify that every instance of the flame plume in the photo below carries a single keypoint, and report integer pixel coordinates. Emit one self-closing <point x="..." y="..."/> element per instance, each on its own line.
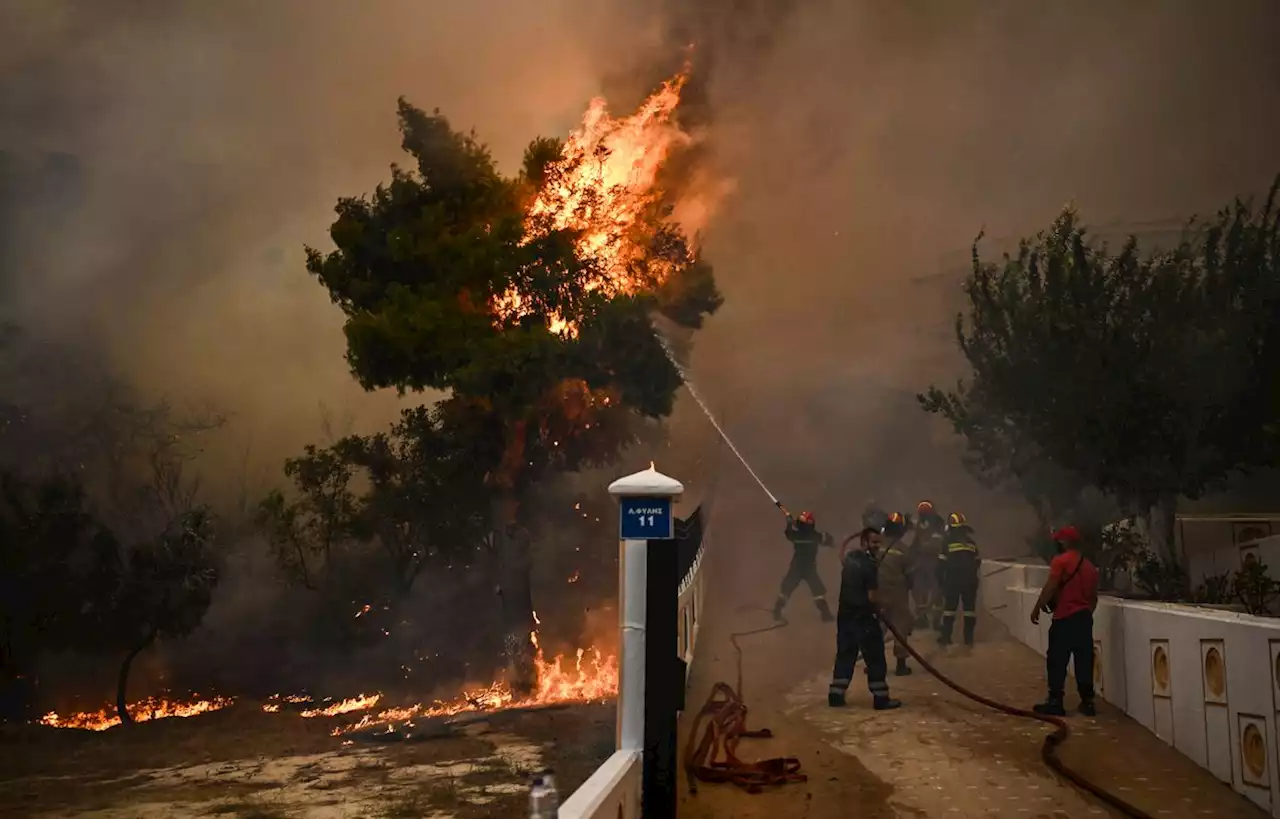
<point x="605" y="185"/>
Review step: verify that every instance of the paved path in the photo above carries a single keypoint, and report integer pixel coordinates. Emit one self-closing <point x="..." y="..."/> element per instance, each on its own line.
<point x="939" y="756"/>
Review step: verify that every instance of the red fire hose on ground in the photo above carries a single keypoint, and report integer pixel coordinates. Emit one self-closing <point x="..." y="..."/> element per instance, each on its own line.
<point x="710" y="754"/>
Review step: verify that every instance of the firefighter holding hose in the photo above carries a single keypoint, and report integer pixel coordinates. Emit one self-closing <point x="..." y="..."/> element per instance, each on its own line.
<point x="959" y="576"/>
<point x="805" y="542"/>
<point x="926" y="549"/>
<point x="895" y="574"/>
<point x="857" y="626"/>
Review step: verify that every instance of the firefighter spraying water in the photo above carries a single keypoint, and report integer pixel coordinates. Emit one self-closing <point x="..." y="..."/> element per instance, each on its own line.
<point x="863" y="607"/>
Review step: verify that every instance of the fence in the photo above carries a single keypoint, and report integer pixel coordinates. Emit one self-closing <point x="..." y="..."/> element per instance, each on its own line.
<point x="615" y="790"/>
<point x="1207" y="682"/>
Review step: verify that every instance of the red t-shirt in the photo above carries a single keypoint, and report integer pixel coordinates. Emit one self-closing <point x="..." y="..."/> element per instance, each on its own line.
<point x="1078" y="593"/>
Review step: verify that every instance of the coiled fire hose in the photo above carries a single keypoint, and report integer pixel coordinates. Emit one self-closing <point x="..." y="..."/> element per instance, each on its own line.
<point x="712" y="757"/>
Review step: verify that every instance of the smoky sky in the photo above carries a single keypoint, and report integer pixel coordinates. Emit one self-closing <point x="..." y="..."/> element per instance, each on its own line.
<point x="864" y="140"/>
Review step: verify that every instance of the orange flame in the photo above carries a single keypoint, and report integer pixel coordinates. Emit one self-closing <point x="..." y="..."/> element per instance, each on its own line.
<point x="590" y="676"/>
<point x="347" y="706"/>
<point x="145" y="710"/>
<point x="604" y="185"/>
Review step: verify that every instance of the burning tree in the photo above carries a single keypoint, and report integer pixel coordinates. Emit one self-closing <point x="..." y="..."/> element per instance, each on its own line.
<point x="526" y="299"/>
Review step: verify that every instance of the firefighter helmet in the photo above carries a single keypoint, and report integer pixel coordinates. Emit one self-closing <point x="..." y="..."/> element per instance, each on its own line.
<point x="806" y="517"/>
<point x="895" y="525"/>
<point x="924" y="507"/>
<point x="957" y="519"/>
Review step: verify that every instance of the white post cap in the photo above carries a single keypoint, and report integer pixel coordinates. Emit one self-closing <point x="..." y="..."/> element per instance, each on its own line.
<point x="648" y="483"/>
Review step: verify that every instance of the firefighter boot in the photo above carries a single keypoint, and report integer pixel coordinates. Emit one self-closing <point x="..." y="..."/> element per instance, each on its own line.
<point x="1088" y="708"/>
<point x="903" y="669"/>
<point x="944" y="633"/>
<point x="885" y="703"/>
<point x="835" y="700"/>
<point x="777" y="610"/>
<point x="970" y="625"/>
<point x="824" y="610"/>
<point x="1051" y="707"/>
<point x="922" y="619"/>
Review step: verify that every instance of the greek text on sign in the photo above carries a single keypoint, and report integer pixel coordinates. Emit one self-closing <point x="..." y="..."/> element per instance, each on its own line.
<point x="646" y="519"/>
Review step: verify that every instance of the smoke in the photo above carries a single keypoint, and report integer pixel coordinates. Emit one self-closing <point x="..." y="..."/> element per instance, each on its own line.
<point x="214" y="140"/>
<point x="868" y="140"/>
<point x="864" y="141"/>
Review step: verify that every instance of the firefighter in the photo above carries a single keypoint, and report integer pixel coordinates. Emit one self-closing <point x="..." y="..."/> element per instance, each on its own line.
<point x="926" y="550"/>
<point x="959" y="576"/>
<point x="895" y="575"/>
<point x="857" y="627"/>
<point x="805" y="541"/>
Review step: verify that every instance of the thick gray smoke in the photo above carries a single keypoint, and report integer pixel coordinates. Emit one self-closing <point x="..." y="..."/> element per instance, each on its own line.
<point x="865" y="139"/>
<point x="868" y="140"/>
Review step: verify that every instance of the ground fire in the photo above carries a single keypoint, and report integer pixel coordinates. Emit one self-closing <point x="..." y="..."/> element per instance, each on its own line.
<point x="606" y="184"/>
<point x="588" y="676"/>
<point x="146" y="710"/>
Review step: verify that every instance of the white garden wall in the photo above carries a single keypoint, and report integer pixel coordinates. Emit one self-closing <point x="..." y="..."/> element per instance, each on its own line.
<point x="1205" y="681"/>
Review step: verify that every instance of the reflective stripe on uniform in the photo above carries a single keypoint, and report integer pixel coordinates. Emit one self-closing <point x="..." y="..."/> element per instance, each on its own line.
<point x="971" y="615"/>
<point x="840" y="686"/>
<point x="948" y="614"/>
<point x="961" y="547"/>
<point x="879" y="688"/>
<point x="819" y="597"/>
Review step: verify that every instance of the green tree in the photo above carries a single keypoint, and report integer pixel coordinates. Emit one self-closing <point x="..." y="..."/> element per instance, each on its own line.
<point x="420" y="270"/>
<point x="415" y="494"/>
<point x="165" y="590"/>
<point x="1148" y="377"/>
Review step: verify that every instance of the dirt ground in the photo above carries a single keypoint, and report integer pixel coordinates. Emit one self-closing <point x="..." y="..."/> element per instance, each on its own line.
<point x="941" y="754"/>
<point x="240" y="763"/>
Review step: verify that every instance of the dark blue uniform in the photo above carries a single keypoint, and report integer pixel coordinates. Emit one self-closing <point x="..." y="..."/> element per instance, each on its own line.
<point x="805" y="542"/>
<point x="858" y="632"/>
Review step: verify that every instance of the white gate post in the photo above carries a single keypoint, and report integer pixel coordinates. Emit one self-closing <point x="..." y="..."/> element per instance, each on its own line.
<point x="644" y="513"/>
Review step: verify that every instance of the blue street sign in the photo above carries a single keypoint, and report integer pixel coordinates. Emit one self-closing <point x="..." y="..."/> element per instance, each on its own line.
<point x="646" y="519"/>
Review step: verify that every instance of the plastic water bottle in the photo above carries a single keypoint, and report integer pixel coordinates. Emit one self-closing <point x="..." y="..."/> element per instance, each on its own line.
<point x="544" y="801"/>
<point x="553" y="795"/>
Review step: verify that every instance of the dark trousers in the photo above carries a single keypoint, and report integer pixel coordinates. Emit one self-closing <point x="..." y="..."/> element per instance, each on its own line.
<point x="806" y="571"/>
<point x="1071" y="639"/>
<point x="859" y="633"/>
<point x="960" y="591"/>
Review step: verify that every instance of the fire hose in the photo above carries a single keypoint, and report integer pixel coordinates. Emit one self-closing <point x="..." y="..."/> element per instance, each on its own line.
<point x="711" y="756"/>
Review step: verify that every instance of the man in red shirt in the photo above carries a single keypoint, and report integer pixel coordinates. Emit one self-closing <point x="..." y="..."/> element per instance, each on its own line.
<point x="1071" y="593"/>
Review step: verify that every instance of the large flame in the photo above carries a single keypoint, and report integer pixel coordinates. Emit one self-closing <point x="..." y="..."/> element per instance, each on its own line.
<point x="605" y="185"/>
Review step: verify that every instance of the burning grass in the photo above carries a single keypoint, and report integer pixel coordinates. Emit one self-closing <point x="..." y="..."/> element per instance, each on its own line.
<point x="588" y="675"/>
